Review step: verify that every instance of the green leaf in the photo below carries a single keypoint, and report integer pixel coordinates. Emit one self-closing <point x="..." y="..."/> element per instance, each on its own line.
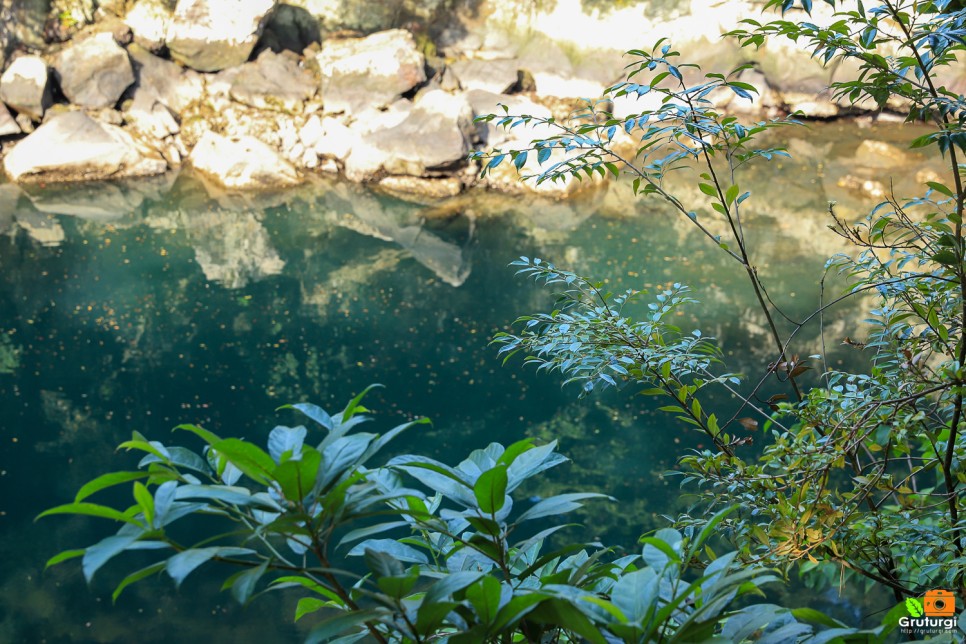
<point x="64" y="556"/>
<point x="484" y="595"/>
<point x="558" y="505"/>
<point x="247" y="457"/>
<point x="105" y="481"/>
<point x="135" y="577"/>
<point x="93" y="510"/>
<point x="708" y="189"/>
<point x="391" y="547"/>
<point x="204" y="434"/>
<point x="182" y="564"/>
<point x="732" y="193"/>
<point x="103" y="551"/>
<point x="243" y="584"/>
<point x="308" y="605"/>
<point x="490" y="489"/>
<point x="940" y="188"/>
<point x="297" y="477"/>
<point x="340" y="625"/>
<point x="145" y="501"/>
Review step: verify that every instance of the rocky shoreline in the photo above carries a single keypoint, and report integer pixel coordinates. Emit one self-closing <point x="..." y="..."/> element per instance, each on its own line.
<point x="251" y="95"/>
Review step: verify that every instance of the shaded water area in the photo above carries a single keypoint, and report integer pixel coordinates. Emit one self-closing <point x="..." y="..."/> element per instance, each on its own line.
<point x="143" y="306"/>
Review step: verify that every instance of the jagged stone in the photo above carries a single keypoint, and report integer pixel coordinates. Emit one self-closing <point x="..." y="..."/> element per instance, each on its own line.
<point x="164" y="81"/>
<point x="369" y="72"/>
<point x="290" y="28"/>
<point x="496" y="76"/>
<point x="211" y="35"/>
<point x="8" y="126"/>
<point x="25" y="86"/>
<point x="94" y="72"/>
<point x="86" y="150"/>
<point x="435" y="136"/>
<point x="148" y="20"/>
<point x="242" y="163"/>
<point x="274" y="81"/>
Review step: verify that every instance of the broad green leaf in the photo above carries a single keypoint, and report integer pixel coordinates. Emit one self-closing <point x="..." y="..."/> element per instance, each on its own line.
<point x="247" y="457"/>
<point x="93" y="510"/>
<point x="490" y="489"/>
<point x="64" y="556"/>
<point x="282" y="440"/>
<point x="708" y="189"/>
<point x="103" y="551"/>
<point x="105" y="481"/>
<point x="397" y="550"/>
<point x="308" y="605"/>
<point x="204" y="434"/>
<point x="559" y="505"/>
<point x="182" y="564"/>
<point x="135" y="577"/>
<point x="341" y="624"/>
<point x="243" y="584"/>
<point x="146" y="502"/>
<point x="484" y="595"/>
<point x="636" y="593"/>
<point x="297" y="477"/>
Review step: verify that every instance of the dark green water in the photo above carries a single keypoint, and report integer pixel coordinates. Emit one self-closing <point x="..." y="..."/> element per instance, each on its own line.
<point x="141" y="307"/>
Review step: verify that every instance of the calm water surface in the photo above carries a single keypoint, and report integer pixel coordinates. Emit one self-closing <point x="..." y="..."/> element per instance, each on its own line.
<point x="139" y="307"/>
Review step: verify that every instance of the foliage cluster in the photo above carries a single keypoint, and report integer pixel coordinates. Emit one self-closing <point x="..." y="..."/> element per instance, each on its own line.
<point x="859" y="475"/>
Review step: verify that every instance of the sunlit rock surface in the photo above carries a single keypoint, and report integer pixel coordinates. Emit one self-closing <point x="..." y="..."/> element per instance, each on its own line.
<point x="241" y="162"/>
<point x="274" y="81"/>
<point x="435" y="135"/>
<point x="87" y="150"/>
<point x="369" y="72"/>
<point x="210" y="35"/>
<point x="93" y="72"/>
<point x="25" y="86"/>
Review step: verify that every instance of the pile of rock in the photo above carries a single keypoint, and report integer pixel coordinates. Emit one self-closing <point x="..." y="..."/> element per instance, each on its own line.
<point x="215" y="84"/>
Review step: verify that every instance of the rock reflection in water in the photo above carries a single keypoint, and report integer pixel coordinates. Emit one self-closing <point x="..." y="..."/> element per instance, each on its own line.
<point x="139" y="306"/>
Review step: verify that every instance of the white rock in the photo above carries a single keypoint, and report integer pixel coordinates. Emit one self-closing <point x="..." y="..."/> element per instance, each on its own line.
<point x="86" y="150"/>
<point x="210" y="35"/>
<point x="8" y="126"/>
<point x="94" y="72"/>
<point x="369" y="72"/>
<point x="242" y="163"/>
<point x="25" y="86"/>
<point x="148" y="20"/>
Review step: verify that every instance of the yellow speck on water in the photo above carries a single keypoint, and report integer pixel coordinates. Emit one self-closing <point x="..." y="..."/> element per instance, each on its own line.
<point x="164" y="252"/>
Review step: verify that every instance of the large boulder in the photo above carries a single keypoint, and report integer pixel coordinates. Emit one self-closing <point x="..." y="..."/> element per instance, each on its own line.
<point x="274" y="81"/>
<point x="369" y="72"/>
<point x="435" y="137"/>
<point x="94" y="72"/>
<point x="496" y="76"/>
<point x="164" y="81"/>
<point x="370" y="15"/>
<point x="8" y="125"/>
<point x="86" y="150"/>
<point x="211" y="35"/>
<point x="242" y="163"/>
<point x="148" y="20"/>
<point x="25" y="86"/>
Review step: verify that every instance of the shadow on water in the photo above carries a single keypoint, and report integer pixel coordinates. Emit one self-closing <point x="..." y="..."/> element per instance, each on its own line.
<point x="141" y="306"/>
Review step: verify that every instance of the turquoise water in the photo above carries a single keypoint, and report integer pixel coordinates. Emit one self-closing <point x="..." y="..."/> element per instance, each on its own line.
<point x="139" y="307"/>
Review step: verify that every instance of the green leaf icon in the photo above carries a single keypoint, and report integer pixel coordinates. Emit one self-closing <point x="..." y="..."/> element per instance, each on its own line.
<point x="914" y="606"/>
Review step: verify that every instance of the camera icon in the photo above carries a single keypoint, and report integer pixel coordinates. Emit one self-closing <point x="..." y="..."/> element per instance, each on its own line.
<point x="939" y="603"/>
